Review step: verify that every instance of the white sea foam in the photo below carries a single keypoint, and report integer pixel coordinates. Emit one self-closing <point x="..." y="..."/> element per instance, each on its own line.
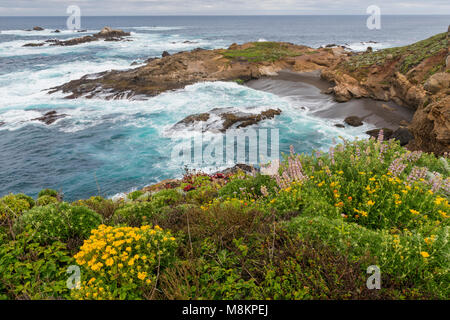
<point x="155" y="28"/>
<point x="362" y="46"/>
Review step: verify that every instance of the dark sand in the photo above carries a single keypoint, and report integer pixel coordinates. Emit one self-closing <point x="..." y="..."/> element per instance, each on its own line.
<point x="303" y="87"/>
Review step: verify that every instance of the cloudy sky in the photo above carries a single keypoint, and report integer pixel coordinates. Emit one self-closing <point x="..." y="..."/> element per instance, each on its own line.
<point x="219" y="7"/>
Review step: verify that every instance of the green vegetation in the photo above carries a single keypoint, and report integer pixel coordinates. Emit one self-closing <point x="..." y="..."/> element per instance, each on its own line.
<point x="58" y="222"/>
<point x="309" y="232"/>
<point x="48" y="192"/>
<point x="262" y="51"/>
<point x="407" y="57"/>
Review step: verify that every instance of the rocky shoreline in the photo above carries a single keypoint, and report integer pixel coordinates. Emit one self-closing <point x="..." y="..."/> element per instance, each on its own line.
<point x="416" y="76"/>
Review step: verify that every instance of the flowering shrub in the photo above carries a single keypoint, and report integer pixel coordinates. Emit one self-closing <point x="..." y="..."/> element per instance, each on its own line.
<point x="45" y="200"/>
<point x="48" y="192"/>
<point x="58" y="222"/>
<point x="104" y="207"/>
<point x="188" y="188"/>
<point x="123" y="262"/>
<point x="135" y="194"/>
<point x="134" y="214"/>
<point x="407" y="257"/>
<point x="380" y="187"/>
<point x="13" y="205"/>
<point x="248" y="187"/>
<point x="166" y="198"/>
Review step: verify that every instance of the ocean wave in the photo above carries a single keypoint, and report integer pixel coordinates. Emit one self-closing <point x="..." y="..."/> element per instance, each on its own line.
<point x="45" y="32"/>
<point x="156" y="28"/>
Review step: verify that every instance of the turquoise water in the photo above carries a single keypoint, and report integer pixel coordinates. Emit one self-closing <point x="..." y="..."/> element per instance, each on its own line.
<point x="109" y="147"/>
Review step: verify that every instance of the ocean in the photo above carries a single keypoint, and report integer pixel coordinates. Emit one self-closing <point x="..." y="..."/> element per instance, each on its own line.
<point x="107" y="147"/>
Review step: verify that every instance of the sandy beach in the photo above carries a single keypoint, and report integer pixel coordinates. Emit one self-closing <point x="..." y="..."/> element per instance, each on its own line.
<point x="298" y="86"/>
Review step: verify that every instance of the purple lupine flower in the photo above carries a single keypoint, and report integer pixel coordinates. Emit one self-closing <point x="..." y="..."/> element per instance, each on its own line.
<point x="264" y="191"/>
<point x="446" y="186"/>
<point x="435" y="181"/>
<point x="320" y="163"/>
<point x="397" y="167"/>
<point x="280" y="181"/>
<point x="381" y="154"/>
<point x="416" y="174"/>
<point x="380" y="136"/>
<point x="331" y="152"/>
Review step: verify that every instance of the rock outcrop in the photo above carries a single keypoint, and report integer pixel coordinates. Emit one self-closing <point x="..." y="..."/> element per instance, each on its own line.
<point x="222" y="119"/>
<point x="243" y="62"/>
<point x="106" y="34"/>
<point x="353" y="121"/>
<point x="416" y="76"/>
<point x="50" y="117"/>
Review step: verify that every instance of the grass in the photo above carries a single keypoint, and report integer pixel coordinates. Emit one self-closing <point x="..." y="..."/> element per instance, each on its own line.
<point x="262" y="51"/>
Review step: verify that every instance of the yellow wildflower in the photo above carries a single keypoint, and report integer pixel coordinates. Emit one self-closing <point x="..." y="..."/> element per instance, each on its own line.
<point x="142" y="275"/>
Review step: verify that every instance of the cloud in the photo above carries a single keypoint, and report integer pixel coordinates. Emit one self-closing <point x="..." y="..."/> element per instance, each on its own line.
<point x="219" y="7"/>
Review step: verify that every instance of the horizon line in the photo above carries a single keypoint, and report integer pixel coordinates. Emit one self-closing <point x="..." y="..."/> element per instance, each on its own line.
<point x="224" y="15"/>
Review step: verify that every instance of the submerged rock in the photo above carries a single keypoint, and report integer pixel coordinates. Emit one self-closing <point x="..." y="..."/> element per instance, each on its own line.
<point x="50" y="117"/>
<point x="244" y="120"/>
<point x="195" y="118"/>
<point x="34" y="44"/>
<point x="222" y="119"/>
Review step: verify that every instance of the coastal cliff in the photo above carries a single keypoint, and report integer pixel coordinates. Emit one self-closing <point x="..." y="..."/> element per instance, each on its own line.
<point x="416" y="76"/>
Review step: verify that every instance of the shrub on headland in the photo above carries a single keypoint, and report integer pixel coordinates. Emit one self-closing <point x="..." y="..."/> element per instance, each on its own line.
<point x="30" y="270"/>
<point x="11" y="206"/>
<point x="45" y="200"/>
<point x="48" y="192"/>
<point x="58" y="222"/>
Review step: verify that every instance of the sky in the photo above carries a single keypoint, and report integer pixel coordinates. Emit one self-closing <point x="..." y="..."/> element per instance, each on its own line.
<point x="220" y="7"/>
